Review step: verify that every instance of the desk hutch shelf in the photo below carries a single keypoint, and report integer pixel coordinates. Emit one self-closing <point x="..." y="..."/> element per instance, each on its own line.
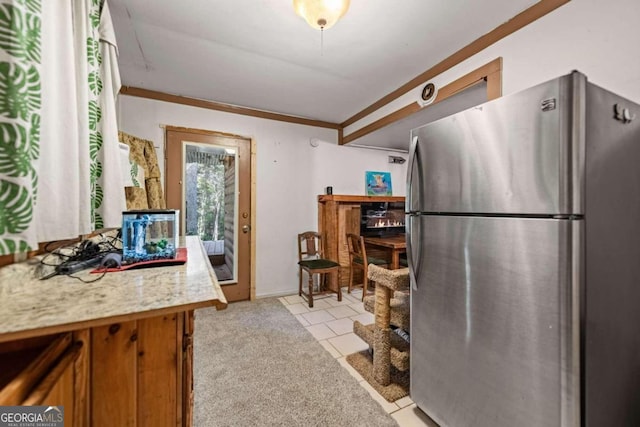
<point x="339" y="215"/>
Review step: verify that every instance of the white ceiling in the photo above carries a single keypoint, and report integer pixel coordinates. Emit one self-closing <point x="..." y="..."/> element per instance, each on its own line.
<point x="260" y="54"/>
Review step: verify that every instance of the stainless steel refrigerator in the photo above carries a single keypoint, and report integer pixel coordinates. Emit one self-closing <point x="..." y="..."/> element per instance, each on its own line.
<point x="523" y="234"/>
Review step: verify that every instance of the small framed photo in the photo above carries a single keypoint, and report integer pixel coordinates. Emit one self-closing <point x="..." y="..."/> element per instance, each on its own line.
<point x="378" y="183"/>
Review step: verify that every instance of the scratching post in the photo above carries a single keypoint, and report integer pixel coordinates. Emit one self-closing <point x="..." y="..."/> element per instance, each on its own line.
<point x="387" y="370"/>
<point x="381" y="337"/>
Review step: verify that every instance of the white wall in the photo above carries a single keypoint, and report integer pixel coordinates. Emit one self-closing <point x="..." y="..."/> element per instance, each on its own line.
<point x="290" y="175"/>
<point x="596" y="37"/>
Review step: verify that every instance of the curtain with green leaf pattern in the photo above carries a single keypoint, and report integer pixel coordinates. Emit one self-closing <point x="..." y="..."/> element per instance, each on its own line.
<point x="97" y="84"/>
<point x="107" y="182"/>
<point x="60" y="175"/>
<point x="20" y="97"/>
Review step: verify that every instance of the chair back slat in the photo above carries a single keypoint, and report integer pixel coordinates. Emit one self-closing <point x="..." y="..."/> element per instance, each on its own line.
<point x="309" y="245"/>
<point x="356" y="246"/>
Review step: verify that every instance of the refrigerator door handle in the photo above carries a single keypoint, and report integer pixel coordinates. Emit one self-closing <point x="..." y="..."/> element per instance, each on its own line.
<point x="413" y="151"/>
<point x="414" y="268"/>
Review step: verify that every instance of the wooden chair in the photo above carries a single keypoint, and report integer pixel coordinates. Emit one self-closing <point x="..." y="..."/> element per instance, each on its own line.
<point x="358" y="259"/>
<point x="311" y="259"/>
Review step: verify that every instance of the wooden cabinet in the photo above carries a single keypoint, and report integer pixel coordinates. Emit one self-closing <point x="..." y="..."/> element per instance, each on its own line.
<point x="47" y="371"/>
<point x="138" y="372"/>
<point x="337" y="216"/>
<point x="116" y="353"/>
<point x="131" y="373"/>
<point x="64" y="385"/>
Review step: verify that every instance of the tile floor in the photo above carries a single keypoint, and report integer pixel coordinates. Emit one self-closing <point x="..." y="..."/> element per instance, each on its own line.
<point x="331" y="323"/>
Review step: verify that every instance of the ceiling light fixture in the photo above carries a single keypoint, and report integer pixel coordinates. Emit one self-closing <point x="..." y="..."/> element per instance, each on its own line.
<point x="321" y="14"/>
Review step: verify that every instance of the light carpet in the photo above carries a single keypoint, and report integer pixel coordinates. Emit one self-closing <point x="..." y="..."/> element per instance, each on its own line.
<point x="256" y="365"/>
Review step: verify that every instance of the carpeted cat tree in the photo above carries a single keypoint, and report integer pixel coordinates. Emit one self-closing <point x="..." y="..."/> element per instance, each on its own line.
<point x="386" y="364"/>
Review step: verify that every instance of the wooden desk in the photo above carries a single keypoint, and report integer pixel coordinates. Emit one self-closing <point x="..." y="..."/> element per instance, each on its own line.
<point x="395" y="244"/>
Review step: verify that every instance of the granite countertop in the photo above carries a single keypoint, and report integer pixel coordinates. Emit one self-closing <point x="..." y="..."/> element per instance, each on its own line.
<point x="32" y="307"/>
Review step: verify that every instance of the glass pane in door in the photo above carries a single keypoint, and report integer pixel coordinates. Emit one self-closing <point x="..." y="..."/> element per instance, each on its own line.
<point x="210" y="203"/>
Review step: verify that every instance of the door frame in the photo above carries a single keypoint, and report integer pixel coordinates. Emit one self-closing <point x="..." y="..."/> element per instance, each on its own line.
<point x="252" y="189"/>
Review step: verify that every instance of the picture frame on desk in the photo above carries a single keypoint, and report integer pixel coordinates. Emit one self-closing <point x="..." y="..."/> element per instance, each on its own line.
<point x="378" y="183"/>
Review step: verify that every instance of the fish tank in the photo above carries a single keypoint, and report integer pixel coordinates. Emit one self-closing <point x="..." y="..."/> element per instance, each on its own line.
<point x="149" y="235"/>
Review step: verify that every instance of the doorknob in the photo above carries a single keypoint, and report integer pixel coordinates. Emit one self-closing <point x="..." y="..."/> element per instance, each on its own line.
<point x="246" y="228"/>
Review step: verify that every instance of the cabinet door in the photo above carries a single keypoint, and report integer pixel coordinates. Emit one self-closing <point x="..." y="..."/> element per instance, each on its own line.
<point x="187" y="370"/>
<point x="55" y="375"/>
<point x="113" y="375"/>
<point x="61" y="395"/>
<point x="27" y="362"/>
<point x="157" y="371"/>
<point x="81" y="409"/>
<point x="57" y="387"/>
<point x="136" y="372"/>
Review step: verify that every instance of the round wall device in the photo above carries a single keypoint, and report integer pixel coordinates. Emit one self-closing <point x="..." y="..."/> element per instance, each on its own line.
<point x="314" y="142"/>
<point x="428" y="95"/>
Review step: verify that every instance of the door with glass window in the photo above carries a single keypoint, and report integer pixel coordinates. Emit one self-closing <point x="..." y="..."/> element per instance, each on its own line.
<point x="208" y="177"/>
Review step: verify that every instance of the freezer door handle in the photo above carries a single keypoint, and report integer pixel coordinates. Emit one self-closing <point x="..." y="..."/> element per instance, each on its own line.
<point x="414" y="263"/>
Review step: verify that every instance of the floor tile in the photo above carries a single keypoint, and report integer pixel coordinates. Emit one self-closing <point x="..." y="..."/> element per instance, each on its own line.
<point x="335" y="303"/>
<point x="387" y="406"/>
<point x="411" y="416"/>
<point x="331" y="349"/>
<point x="350" y="297"/>
<point x="342" y="311"/>
<point x="315" y="317"/>
<point x="297" y="308"/>
<point x="351" y="370"/>
<point x="302" y="320"/>
<point x="364" y="318"/>
<point x="319" y="304"/>
<point x="348" y="344"/>
<point x="341" y="326"/>
<point x="293" y="299"/>
<point x="283" y="300"/>
<point x="356" y="295"/>
<point x="359" y="307"/>
<point x="320" y="331"/>
<point x="404" y="402"/>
